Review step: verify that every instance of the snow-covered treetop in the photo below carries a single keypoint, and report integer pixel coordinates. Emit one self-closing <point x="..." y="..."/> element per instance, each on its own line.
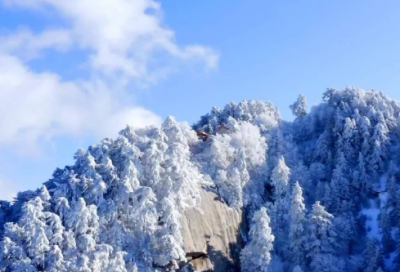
<point x="263" y="114"/>
<point x="299" y="108"/>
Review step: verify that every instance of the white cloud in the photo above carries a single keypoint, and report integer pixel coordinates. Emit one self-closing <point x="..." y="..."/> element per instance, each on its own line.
<point x="126" y="42"/>
<point x="122" y="35"/>
<point x="28" y="46"/>
<point x="38" y="106"/>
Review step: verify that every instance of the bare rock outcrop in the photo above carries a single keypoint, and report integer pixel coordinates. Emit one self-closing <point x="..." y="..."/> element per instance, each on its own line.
<point x="211" y="233"/>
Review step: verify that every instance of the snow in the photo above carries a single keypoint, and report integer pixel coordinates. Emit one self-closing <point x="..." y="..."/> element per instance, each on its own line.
<point x="372" y="213"/>
<point x="372" y="222"/>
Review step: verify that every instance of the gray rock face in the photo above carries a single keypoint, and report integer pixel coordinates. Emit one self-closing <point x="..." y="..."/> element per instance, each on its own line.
<point x="211" y="234"/>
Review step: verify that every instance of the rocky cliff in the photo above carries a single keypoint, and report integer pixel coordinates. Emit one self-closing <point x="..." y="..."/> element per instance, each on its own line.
<point x="212" y="234"/>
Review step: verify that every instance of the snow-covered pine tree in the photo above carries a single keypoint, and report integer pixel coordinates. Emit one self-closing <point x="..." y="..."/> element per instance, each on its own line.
<point x="237" y="179"/>
<point x="298" y="225"/>
<point x="45" y="197"/>
<point x="379" y="140"/>
<point x="256" y="255"/>
<point x="322" y="244"/>
<point x="364" y="180"/>
<point x="55" y="260"/>
<point x="340" y="184"/>
<point x="82" y="264"/>
<point x="141" y="224"/>
<point x="33" y="222"/>
<point x="181" y="176"/>
<point x="372" y="256"/>
<point x="169" y="239"/>
<point x="345" y="225"/>
<point x="392" y="191"/>
<point x="280" y="208"/>
<point x="350" y="139"/>
<point x="92" y="185"/>
<point x="54" y="229"/>
<point x="299" y="108"/>
<point x="117" y="263"/>
<point x="13" y="255"/>
<point x="152" y="161"/>
<point x="324" y="144"/>
<point x="100" y="258"/>
<point x="84" y="221"/>
<point x="364" y="127"/>
<point x="62" y="207"/>
<point x="386" y="230"/>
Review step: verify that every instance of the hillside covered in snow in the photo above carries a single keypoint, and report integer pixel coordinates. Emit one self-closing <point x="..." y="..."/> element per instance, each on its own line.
<point x="318" y="194"/>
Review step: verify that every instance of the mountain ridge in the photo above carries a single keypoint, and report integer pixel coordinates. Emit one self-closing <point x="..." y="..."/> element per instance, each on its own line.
<point x="315" y="192"/>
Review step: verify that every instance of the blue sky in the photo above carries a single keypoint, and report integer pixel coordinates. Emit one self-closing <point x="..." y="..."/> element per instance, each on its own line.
<point x="73" y="71"/>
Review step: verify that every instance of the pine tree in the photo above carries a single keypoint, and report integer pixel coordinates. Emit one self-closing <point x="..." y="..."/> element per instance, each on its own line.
<point x="297" y="226"/>
<point x="169" y="242"/>
<point x="327" y="263"/>
<point x="364" y="126"/>
<point x="350" y="144"/>
<point x="33" y="221"/>
<point x="12" y="252"/>
<point x="101" y="257"/>
<point x="152" y="160"/>
<point x="62" y="207"/>
<point x="84" y="221"/>
<point x="364" y="181"/>
<point x="125" y="186"/>
<point x="321" y="243"/>
<point x="323" y="147"/>
<point x="280" y="209"/>
<point x="54" y="229"/>
<point x="372" y="256"/>
<point x="379" y="143"/>
<point x="340" y="184"/>
<point x="45" y="197"/>
<point x="280" y="179"/>
<point x="256" y="256"/>
<point x="181" y="175"/>
<point x="392" y="190"/>
<point x="275" y="149"/>
<point x="117" y="264"/>
<point x="82" y="264"/>
<point x="299" y="108"/>
<point x="327" y="196"/>
<point x="55" y="260"/>
<point x="69" y="246"/>
<point x="386" y="230"/>
<point x="237" y="179"/>
<point x="141" y="222"/>
<point x="345" y="225"/>
<point x="95" y="187"/>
